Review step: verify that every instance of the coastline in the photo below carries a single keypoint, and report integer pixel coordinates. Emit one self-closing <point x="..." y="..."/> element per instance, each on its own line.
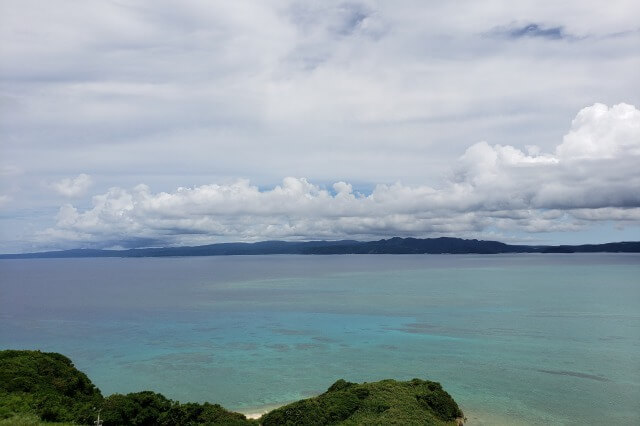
<point x="483" y="418"/>
<point x="259" y="411"/>
<point x="254" y="416"/>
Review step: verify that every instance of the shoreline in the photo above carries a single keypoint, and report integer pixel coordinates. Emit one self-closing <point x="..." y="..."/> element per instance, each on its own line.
<point x="254" y="416"/>
<point x="258" y="411"/>
<point x="483" y="418"/>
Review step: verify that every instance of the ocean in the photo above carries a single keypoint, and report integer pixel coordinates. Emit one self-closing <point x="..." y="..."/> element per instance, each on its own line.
<point x="515" y="338"/>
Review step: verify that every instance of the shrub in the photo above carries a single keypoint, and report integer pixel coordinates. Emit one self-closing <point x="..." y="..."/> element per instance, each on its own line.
<point x="441" y="403"/>
<point x="46" y="384"/>
<point x="191" y="414"/>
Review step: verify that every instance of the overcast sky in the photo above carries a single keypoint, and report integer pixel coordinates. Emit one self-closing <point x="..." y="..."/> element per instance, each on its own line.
<point x="137" y="123"/>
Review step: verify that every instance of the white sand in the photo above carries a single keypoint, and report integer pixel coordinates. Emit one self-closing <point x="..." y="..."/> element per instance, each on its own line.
<point x="254" y="415"/>
<point x="257" y="412"/>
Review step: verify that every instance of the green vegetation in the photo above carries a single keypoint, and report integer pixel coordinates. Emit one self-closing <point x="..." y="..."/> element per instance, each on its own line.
<point x="48" y="385"/>
<point x="29" y="420"/>
<point x="150" y="408"/>
<point x="37" y="388"/>
<point x="416" y="402"/>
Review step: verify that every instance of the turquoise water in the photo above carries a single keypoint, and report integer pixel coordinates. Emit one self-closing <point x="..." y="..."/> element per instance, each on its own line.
<point x="529" y="339"/>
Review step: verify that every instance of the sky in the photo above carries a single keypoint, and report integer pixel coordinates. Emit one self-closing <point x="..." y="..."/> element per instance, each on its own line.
<point x="153" y="123"/>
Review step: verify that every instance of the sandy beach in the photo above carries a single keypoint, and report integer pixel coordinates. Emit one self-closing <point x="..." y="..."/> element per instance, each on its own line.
<point x="254" y="415"/>
<point x="257" y="412"/>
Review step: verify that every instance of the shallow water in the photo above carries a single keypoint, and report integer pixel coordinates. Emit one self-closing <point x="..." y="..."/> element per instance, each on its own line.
<point x="520" y="339"/>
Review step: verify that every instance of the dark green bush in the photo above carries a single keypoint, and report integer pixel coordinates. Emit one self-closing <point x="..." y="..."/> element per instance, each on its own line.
<point x="441" y="403"/>
<point x="46" y="384"/>
<point x="136" y="409"/>
<point x="339" y="385"/>
<point x="388" y="401"/>
<point x="191" y="414"/>
<point x="340" y="401"/>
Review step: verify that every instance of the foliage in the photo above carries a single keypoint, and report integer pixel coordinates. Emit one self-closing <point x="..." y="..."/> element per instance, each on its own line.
<point x="37" y="387"/>
<point x="29" y="420"/>
<point x="45" y="384"/>
<point x="135" y="409"/>
<point x="439" y="400"/>
<point x="150" y="408"/>
<point x="201" y="414"/>
<point x="385" y="402"/>
<point x="340" y="384"/>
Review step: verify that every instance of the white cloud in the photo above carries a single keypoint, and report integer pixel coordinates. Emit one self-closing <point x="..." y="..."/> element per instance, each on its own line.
<point x="403" y="88"/>
<point x="360" y="91"/>
<point x="592" y="177"/>
<point x="73" y="187"/>
<point x="600" y="132"/>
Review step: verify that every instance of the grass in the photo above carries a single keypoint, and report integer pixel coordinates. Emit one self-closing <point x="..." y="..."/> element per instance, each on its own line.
<point x="28" y="420"/>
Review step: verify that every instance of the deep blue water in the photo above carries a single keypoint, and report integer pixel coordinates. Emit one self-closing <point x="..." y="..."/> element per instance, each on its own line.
<point x="531" y="339"/>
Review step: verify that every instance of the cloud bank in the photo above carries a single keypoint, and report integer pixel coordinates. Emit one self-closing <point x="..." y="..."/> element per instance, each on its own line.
<point x="592" y="175"/>
<point x="354" y="91"/>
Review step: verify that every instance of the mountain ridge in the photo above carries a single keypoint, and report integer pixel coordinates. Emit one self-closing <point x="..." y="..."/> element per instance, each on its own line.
<point x="394" y="245"/>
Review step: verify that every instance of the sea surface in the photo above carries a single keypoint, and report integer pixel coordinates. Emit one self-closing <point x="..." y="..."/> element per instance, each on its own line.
<point x="516" y="339"/>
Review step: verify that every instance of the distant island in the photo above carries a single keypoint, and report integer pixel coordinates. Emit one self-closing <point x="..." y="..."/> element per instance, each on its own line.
<point x="45" y="387"/>
<point x="395" y="245"/>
